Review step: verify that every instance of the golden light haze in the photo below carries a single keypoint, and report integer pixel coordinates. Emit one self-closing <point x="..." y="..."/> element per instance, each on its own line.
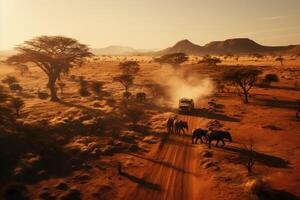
<point x="150" y="24"/>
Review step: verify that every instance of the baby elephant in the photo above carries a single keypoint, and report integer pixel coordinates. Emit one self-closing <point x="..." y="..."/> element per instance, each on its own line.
<point x="198" y="134"/>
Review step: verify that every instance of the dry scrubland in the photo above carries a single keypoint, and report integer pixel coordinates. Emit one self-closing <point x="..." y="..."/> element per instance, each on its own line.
<point x="72" y="149"/>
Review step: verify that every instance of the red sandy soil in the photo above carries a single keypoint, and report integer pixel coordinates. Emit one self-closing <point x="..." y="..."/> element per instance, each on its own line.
<point x="174" y="168"/>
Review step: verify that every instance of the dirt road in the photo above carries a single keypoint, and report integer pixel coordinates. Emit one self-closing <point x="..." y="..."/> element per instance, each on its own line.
<point x="174" y="172"/>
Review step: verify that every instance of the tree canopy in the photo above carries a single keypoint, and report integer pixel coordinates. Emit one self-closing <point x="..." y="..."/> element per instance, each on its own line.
<point x="52" y="54"/>
<point x="129" y="67"/>
<point x="245" y="78"/>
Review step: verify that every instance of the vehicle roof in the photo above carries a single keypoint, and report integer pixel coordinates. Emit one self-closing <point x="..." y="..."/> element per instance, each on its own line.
<point x="185" y="99"/>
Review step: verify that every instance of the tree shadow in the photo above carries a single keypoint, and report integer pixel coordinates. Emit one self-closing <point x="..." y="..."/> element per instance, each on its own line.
<point x="153" y="106"/>
<point x="277" y="195"/>
<point x="265" y="159"/>
<point x="69" y="104"/>
<point x="293" y="105"/>
<point x="205" y="113"/>
<point x="145" y="130"/>
<point x="141" y="181"/>
<point x="279" y="87"/>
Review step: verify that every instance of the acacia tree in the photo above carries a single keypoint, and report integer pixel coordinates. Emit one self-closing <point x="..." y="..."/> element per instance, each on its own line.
<point x="129" y="69"/>
<point x="245" y="78"/>
<point x="52" y="54"/>
<point x="126" y="80"/>
<point x="174" y="59"/>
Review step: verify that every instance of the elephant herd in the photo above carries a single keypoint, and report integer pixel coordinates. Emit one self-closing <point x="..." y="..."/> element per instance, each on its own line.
<point x="178" y="127"/>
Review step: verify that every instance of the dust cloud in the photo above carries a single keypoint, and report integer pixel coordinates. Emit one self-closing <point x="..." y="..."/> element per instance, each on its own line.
<point x="183" y="83"/>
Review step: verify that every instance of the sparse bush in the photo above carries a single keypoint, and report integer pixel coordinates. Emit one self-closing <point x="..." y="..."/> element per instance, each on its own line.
<point x="10" y="80"/>
<point x="270" y="78"/>
<point x="210" y="61"/>
<point x="17" y="104"/>
<point x="96" y="87"/>
<point x="73" y="77"/>
<point x="250" y="155"/>
<point x="6" y="114"/>
<point x="127" y="95"/>
<point x="174" y="59"/>
<point x="15" y="87"/>
<point x="135" y="114"/>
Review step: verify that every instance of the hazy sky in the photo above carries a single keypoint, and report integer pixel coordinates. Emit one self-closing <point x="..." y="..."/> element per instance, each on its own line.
<point x="150" y="23"/>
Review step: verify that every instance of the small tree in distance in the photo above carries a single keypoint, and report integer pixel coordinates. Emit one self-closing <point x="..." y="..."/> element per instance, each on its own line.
<point x="129" y="70"/>
<point x="280" y="59"/>
<point x="125" y="80"/>
<point x="250" y="154"/>
<point x="9" y="80"/>
<point x="174" y="59"/>
<point x="245" y="78"/>
<point x="54" y="55"/>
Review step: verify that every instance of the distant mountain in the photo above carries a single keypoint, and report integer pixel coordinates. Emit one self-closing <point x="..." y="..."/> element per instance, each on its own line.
<point x="184" y="46"/>
<point x="118" y="50"/>
<point x="234" y="46"/>
<point x="295" y="50"/>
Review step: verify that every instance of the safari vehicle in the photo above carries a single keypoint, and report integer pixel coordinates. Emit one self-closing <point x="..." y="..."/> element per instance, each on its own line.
<point x="186" y="105"/>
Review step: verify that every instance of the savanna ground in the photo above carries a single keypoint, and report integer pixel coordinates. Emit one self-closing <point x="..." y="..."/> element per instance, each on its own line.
<point x="72" y="149"/>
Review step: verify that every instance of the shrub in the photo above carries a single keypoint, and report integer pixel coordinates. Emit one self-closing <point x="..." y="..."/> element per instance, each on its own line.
<point x="210" y="61"/>
<point x="174" y="59"/>
<point x="15" y="87"/>
<point x="135" y="114"/>
<point x="269" y="78"/>
<point x="17" y="104"/>
<point x="96" y="87"/>
<point x="9" y="80"/>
